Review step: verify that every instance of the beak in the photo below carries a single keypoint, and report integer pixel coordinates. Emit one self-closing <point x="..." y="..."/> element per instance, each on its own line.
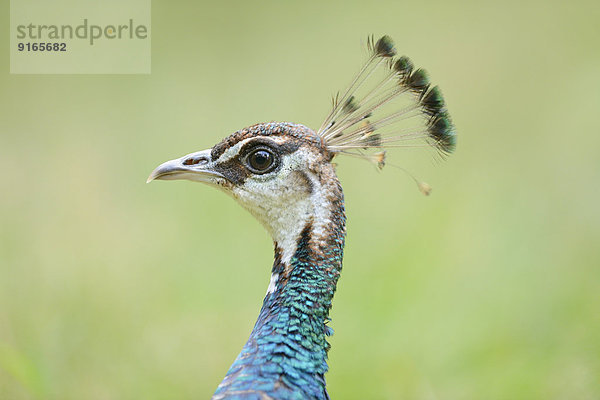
<point x="194" y="167"/>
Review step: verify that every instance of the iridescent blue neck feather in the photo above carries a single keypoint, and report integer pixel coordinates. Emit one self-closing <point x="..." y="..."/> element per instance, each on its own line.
<point x="286" y="354"/>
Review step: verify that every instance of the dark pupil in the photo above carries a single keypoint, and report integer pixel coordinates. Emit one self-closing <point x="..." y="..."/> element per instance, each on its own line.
<point x="261" y="160"/>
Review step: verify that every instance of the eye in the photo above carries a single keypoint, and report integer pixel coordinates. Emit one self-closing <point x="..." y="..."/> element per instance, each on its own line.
<point x="260" y="161"/>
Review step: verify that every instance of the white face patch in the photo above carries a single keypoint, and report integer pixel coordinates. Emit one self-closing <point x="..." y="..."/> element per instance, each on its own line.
<point x="285" y="200"/>
<point x="284" y="204"/>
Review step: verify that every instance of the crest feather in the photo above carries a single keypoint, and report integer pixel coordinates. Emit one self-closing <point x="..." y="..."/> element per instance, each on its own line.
<point x="397" y="109"/>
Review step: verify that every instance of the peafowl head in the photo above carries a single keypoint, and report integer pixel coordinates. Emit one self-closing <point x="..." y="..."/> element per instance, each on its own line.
<point x="274" y="170"/>
<point x="283" y="172"/>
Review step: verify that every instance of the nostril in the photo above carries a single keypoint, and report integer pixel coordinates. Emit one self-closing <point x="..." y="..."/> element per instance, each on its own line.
<point x="195" y="160"/>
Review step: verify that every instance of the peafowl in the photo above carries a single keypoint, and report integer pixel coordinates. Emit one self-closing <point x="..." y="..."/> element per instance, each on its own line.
<point x="283" y="174"/>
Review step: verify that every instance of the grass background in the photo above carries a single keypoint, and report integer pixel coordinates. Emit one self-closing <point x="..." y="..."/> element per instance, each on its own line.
<point x="488" y="289"/>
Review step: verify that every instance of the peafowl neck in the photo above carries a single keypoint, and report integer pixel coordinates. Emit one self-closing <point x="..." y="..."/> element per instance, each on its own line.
<point x="286" y="354"/>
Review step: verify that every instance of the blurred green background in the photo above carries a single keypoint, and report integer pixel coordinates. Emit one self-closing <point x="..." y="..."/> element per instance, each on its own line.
<point x="487" y="289"/>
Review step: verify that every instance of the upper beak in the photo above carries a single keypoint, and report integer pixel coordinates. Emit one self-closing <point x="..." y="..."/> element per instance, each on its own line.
<point x="194" y="167"/>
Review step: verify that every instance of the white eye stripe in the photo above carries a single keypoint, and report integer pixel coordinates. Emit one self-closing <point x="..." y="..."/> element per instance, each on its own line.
<point x="234" y="150"/>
